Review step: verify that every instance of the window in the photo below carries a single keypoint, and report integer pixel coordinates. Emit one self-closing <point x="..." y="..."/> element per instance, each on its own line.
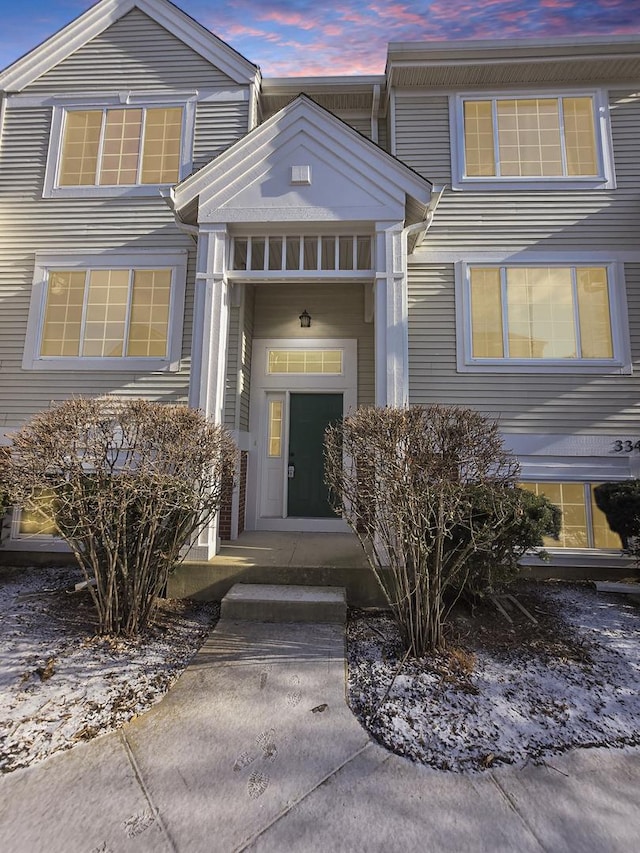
<point x="106" y="315"/>
<point x="38" y="520"/>
<point x="115" y="149"/>
<point x="583" y="524"/>
<point x="544" y="317"/>
<point x="305" y="361"/>
<point x="531" y="139"/>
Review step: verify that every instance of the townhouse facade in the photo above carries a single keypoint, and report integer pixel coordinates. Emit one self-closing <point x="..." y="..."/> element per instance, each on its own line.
<point x="462" y="229"/>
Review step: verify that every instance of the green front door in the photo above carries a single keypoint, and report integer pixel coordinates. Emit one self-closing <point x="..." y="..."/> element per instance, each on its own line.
<point x="310" y="414"/>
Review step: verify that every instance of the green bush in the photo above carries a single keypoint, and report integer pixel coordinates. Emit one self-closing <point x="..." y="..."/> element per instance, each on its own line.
<point x="520" y="520"/>
<point x="620" y="502"/>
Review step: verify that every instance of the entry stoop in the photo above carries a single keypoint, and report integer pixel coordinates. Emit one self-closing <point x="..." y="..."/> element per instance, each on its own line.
<point x="281" y="603"/>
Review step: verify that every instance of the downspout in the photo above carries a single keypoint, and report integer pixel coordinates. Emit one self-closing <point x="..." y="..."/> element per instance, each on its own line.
<point x="192" y="230"/>
<point x="421" y="228"/>
<point x="375" y="112"/>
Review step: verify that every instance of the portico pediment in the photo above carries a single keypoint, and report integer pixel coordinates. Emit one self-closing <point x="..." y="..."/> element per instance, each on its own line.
<point x="302" y="165"/>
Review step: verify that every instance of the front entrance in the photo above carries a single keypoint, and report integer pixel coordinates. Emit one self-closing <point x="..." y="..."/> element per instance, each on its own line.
<point x="298" y="387"/>
<point x="309" y="416"/>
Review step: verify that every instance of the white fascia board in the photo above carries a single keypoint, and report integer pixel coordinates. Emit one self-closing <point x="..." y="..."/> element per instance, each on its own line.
<point x="101" y="16"/>
<point x="514" y="50"/>
<point x="342" y="141"/>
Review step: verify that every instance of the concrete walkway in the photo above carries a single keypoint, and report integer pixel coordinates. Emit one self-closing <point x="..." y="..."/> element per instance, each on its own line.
<point x="255" y="749"/>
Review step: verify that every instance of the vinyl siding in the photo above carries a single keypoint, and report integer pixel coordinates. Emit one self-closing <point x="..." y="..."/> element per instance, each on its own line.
<point x="517" y="220"/>
<point x="133" y="53"/>
<point x="337" y="311"/>
<point x="525" y="403"/>
<point x="32" y="224"/>
<point x="246" y="345"/>
<point x="238" y="381"/>
<point x="218" y="125"/>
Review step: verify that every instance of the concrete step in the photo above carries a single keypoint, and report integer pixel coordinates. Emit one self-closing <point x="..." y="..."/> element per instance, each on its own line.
<point x="283" y="603"/>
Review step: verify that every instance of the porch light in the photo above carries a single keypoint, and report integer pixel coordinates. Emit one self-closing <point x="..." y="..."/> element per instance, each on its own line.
<point x="305" y="319"/>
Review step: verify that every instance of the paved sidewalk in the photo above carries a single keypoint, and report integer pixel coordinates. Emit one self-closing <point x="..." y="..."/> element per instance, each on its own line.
<point x="254" y="748"/>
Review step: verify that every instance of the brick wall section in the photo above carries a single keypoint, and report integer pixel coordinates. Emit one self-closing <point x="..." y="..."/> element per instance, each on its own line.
<point x="242" y="486"/>
<point x="224" y="529"/>
<point x="224" y="524"/>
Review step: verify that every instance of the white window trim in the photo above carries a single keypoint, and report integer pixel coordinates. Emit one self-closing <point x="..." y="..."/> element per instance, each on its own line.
<point x="620" y="364"/>
<point x="54" y="156"/>
<point x="604" y="180"/>
<point x="587" y="488"/>
<point x="176" y="261"/>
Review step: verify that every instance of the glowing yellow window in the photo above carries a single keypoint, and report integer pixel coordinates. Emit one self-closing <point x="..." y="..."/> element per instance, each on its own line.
<point x="328" y="362"/>
<point x="275" y="428"/>
<point x="38" y="518"/>
<point x="583" y="524"/>
<point x="530" y="137"/>
<point x="121" y="147"/>
<point x="555" y="313"/>
<point x="107" y="313"/>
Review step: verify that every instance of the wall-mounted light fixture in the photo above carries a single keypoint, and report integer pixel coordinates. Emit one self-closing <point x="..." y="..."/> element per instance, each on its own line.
<point x="305" y="319"/>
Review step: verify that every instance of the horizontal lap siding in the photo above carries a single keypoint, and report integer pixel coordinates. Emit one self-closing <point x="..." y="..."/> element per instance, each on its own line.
<point x="467" y="222"/>
<point x="31" y="224"/>
<point x="218" y="125"/>
<point x="517" y="220"/>
<point x="135" y="52"/>
<point x="337" y="311"/>
<point x="231" y="384"/>
<point x="246" y="344"/>
<point x="523" y="402"/>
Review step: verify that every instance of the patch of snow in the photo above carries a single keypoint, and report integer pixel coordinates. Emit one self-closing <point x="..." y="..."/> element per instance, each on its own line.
<point x="59" y="684"/>
<point x="514" y="704"/>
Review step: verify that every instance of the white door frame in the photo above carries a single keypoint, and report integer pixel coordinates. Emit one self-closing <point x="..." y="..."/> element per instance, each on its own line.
<point x="264" y="384"/>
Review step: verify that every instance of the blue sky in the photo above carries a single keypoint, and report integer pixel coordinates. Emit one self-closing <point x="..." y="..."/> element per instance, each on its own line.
<point x="297" y="37"/>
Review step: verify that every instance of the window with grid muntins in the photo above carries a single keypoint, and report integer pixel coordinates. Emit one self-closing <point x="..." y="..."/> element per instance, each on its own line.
<point x="530" y="137"/>
<point x="121" y="147"/>
<point x="106" y="313"/>
<point x="583" y="524"/>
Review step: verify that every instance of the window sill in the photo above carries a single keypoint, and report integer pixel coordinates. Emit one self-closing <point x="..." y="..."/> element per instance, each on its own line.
<point x="560" y="368"/>
<point x="128" y="365"/>
<point x="532" y="184"/>
<point x="146" y="190"/>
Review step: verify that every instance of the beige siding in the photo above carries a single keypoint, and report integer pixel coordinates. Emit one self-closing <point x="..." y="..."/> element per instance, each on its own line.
<point x="523" y="402"/>
<point x="134" y="53"/>
<point x="218" y="125"/>
<point x="541" y="220"/>
<point x="337" y="311"/>
<point x="231" y="384"/>
<point x="31" y="224"/>
<point x="383" y="134"/>
<point x="360" y="123"/>
<point x="246" y="347"/>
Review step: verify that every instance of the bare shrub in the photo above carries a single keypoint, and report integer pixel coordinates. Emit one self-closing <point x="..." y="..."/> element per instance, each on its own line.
<point x="405" y="480"/>
<point x="130" y="483"/>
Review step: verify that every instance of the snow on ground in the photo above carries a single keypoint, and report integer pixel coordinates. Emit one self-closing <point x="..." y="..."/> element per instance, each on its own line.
<point x="59" y="684"/>
<point x="502" y="694"/>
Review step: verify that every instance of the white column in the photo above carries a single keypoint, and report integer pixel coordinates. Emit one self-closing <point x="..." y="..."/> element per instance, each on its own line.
<point x="209" y="346"/>
<point x="391" y="316"/>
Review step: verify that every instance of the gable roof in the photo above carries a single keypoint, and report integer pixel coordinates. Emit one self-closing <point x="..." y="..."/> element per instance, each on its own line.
<point x="100" y="17"/>
<point x="353" y="178"/>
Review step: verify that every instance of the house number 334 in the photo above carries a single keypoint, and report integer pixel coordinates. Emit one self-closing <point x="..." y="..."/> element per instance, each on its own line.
<point x="620" y="446"/>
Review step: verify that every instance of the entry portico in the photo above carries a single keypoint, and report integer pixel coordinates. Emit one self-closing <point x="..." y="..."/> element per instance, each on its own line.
<point x="302" y="216"/>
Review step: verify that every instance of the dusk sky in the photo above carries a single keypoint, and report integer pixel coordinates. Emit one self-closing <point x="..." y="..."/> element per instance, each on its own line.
<point x="307" y="37"/>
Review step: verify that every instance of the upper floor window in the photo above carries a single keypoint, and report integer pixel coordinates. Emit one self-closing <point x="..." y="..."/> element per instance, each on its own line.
<point x="114" y="149"/>
<point x="543" y="317"/>
<point x="531" y="140"/>
<point x="101" y="315"/>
